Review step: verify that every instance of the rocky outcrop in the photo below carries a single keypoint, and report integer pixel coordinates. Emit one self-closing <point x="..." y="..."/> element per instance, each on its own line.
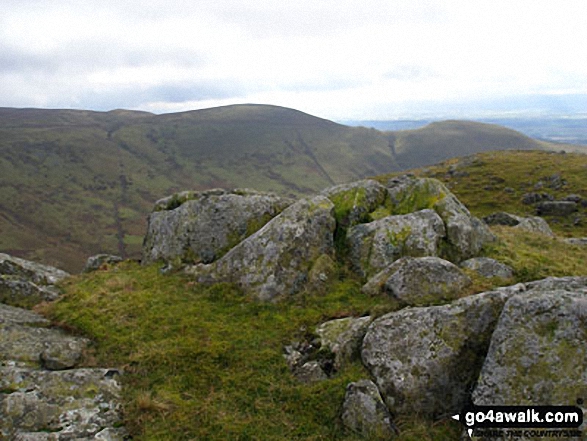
<point x="25" y="283"/>
<point x="489" y="268"/>
<point x="373" y="246"/>
<point x="99" y="261"/>
<point x="355" y="201"/>
<point x="466" y="234"/>
<point x="365" y="413"/>
<point x="200" y="227"/>
<point x="419" y="281"/>
<point x="425" y="360"/>
<point x="42" y="396"/>
<point x="276" y="261"/>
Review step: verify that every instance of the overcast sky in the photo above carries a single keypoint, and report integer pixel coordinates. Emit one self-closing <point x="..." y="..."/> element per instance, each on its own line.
<point x="340" y="59"/>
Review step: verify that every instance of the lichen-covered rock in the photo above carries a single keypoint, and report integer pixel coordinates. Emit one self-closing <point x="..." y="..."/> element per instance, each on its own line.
<point x="71" y="404"/>
<point x="343" y="337"/>
<point x="194" y="227"/>
<point x="35" y="272"/>
<point x="533" y="224"/>
<point x="32" y="344"/>
<point x="419" y="281"/>
<point x="426" y="360"/>
<point x="489" y="268"/>
<point x="538" y="352"/>
<point x="96" y="262"/>
<point x="364" y="411"/>
<point x="353" y="202"/>
<point x="25" y="283"/>
<point x="466" y="234"/>
<point x="276" y="260"/>
<point x="375" y="245"/>
<point x="310" y="372"/>
<point x="39" y="402"/>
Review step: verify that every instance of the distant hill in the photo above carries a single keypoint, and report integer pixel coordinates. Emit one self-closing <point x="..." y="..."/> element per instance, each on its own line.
<point x="74" y="183"/>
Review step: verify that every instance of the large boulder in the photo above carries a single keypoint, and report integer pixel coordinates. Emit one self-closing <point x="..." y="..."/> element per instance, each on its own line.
<point x="375" y="245"/>
<point x="538" y="352"/>
<point x="365" y="413"/>
<point x="355" y="201"/>
<point x="194" y="227"/>
<point x="25" y="283"/>
<point x="425" y="360"/>
<point x="419" y="281"/>
<point x="466" y="234"/>
<point x="276" y="261"/>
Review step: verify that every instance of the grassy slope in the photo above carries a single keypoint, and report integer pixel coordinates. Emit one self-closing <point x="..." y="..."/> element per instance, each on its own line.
<point x="206" y="363"/>
<point x="75" y="183"/>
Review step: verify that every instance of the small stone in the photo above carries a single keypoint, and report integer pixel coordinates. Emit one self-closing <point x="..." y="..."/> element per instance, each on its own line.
<point x="96" y="262"/>
<point x="310" y="372"/>
<point x="364" y="411"/>
<point x="487" y="267"/>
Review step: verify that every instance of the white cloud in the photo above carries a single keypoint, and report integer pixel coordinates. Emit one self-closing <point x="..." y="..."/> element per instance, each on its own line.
<point x="337" y="59"/>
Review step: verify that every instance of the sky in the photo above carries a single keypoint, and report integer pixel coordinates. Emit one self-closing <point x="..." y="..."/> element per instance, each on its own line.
<point x="341" y="60"/>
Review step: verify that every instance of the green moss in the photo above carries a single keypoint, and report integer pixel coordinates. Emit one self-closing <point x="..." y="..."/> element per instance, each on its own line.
<point x="423" y="194"/>
<point x="398" y="238"/>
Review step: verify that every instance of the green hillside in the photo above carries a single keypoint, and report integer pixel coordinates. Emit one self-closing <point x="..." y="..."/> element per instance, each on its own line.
<point x="497" y="181"/>
<point x="75" y="183"/>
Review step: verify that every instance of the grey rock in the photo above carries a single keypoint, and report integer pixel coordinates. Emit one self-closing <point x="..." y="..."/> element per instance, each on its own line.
<point x="41" y="404"/>
<point x="276" y="261"/>
<point x="310" y="372"/>
<point x="376" y="245"/>
<point x="365" y="413"/>
<point x="426" y="360"/>
<point x="555" y="181"/>
<point x="195" y="227"/>
<point x="94" y="263"/>
<point x="533" y="224"/>
<point x="72" y="404"/>
<point x="574" y="198"/>
<point x="18" y="316"/>
<point x="27" y="270"/>
<point x="534" y="198"/>
<point x="556" y="208"/>
<point x="487" y="267"/>
<point x="28" y="344"/>
<point x="581" y="241"/>
<point x="419" y="281"/>
<point x="538" y="352"/>
<point x="354" y="201"/>
<point x="25" y="283"/>
<point x="16" y="291"/>
<point x="502" y="218"/>
<point x="466" y="234"/>
<point x="343" y="337"/>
